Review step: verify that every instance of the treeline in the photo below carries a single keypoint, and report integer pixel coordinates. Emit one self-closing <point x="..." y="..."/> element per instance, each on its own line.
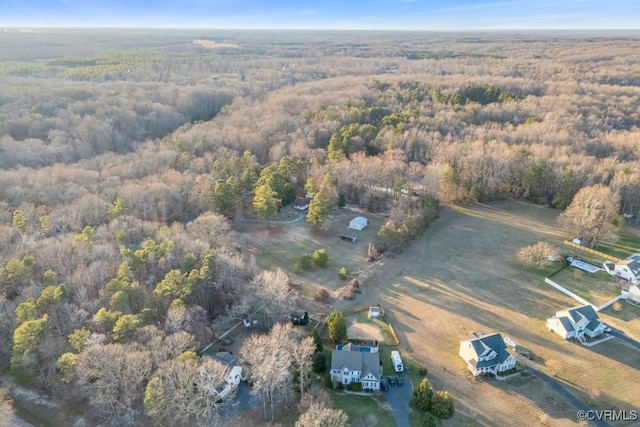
<point x="115" y="248"/>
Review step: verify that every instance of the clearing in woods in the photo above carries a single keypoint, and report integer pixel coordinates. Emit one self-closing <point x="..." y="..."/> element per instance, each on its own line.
<point x="462" y="277"/>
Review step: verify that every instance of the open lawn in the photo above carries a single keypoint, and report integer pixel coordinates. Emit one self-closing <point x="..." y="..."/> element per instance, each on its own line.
<point x="628" y="243"/>
<point x="359" y="407"/>
<point x="284" y="244"/>
<point x="597" y="288"/>
<point x="359" y="326"/>
<point x="462" y="277"/>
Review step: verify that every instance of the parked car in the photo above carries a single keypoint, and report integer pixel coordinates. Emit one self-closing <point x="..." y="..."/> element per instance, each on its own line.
<point x="349" y="237"/>
<point x="384" y="384"/>
<point x="607" y="329"/>
<point x="392" y="380"/>
<point x="399" y="380"/>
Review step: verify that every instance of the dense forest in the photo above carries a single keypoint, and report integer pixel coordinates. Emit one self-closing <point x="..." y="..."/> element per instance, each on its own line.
<point x="125" y="154"/>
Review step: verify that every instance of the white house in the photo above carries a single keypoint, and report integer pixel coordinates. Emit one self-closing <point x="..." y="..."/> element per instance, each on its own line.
<point x="233" y="376"/>
<point x="576" y="322"/>
<point x="486" y="354"/>
<point x="633" y="294"/>
<point x="356" y="367"/>
<point x="358" y="223"/>
<point x="628" y="268"/>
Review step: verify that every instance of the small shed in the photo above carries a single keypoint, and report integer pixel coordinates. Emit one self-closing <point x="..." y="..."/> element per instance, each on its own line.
<point x="375" y="311"/>
<point x="358" y="223"/>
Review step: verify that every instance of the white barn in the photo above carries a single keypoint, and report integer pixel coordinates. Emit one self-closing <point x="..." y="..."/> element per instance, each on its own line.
<point x="358" y="223"/>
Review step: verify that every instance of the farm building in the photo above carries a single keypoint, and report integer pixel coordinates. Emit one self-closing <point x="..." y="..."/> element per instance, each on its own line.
<point x="358" y="223"/>
<point x="350" y="365"/>
<point x="576" y="322"/>
<point x="486" y="354"/>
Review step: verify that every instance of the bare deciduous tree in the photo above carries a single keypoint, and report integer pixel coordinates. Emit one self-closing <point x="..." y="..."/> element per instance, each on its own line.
<point x="593" y="215"/>
<point x="183" y="392"/>
<point x="271" y="361"/>
<point x="302" y="353"/>
<point x="113" y="376"/>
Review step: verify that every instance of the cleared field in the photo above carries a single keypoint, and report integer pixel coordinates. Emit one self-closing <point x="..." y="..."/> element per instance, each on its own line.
<point x="285" y="244"/>
<point x="462" y="277"/>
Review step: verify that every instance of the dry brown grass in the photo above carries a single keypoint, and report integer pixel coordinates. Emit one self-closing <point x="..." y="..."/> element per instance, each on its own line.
<point x="461" y="277"/>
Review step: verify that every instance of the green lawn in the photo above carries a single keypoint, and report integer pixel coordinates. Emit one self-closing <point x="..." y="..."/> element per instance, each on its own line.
<point x="597" y="288"/>
<point x="626" y="245"/>
<point x="358" y="407"/>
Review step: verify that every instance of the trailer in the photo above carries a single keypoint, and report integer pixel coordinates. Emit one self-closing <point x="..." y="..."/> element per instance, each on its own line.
<point x="397" y="361"/>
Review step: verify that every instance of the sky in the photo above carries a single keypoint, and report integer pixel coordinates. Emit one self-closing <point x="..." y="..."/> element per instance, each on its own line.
<point x="427" y="15"/>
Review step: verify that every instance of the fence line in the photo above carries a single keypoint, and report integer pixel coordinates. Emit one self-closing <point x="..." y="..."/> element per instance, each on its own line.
<point x="611" y="301"/>
<point x="569" y="293"/>
<point x="592" y="251"/>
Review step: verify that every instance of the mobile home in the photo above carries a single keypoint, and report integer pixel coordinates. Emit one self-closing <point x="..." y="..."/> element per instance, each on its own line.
<point x="397" y="361"/>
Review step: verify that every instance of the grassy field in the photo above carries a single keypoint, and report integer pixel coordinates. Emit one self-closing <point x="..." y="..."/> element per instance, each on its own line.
<point x="460" y="277"/>
<point x="359" y="407"/>
<point x="628" y="243"/>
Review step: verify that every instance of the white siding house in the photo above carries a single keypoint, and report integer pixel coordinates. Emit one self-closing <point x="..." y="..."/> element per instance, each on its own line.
<point x="356" y="367"/>
<point x="486" y="354"/>
<point x="576" y="322"/>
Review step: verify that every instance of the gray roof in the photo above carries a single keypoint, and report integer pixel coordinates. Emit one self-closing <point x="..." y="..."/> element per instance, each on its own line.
<point x="367" y="363"/>
<point x="566" y="324"/>
<point x="227" y="359"/>
<point x="585" y="310"/>
<point x="593" y="325"/>
<point x="485" y="344"/>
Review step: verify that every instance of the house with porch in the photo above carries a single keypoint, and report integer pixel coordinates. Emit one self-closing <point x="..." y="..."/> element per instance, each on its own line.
<point x="576" y="322"/>
<point x="350" y="364"/>
<point x="486" y="354"/>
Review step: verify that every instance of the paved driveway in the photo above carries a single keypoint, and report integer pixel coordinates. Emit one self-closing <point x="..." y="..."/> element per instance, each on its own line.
<point x="399" y="398"/>
<point x="555" y="385"/>
<point x="623" y="337"/>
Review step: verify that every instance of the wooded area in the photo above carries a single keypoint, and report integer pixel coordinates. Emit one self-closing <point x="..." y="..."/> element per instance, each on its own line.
<point x="123" y="153"/>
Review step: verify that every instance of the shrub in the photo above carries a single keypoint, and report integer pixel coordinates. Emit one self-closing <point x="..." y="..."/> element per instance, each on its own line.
<point x="617" y="306"/>
<point x="317" y="340"/>
<point x="422" y="396"/>
<point x="343" y="273"/>
<point x="422" y="370"/>
<point x="322" y="296"/>
<point x="427" y="420"/>
<point x="442" y="404"/>
<point x="296" y="268"/>
<point x="306" y="261"/>
<point x="354" y="387"/>
<point x="320" y="258"/>
<point x="538" y="255"/>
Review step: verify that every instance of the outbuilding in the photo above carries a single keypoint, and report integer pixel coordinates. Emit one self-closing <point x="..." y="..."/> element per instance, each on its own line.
<point x="358" y="223"/>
